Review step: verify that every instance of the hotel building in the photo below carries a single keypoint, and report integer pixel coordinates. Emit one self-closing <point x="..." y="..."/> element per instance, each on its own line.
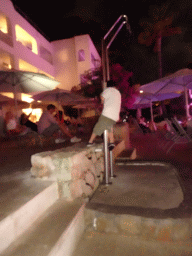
<point x="22" y="47"/>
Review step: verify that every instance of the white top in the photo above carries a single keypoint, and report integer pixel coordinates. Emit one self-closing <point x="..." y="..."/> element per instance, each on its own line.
<point x="45" y="121"/>
<point x="112" y="103"/>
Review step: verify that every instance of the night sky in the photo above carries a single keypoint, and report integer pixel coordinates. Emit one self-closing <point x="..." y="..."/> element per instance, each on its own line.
<point x="57" y="21"/>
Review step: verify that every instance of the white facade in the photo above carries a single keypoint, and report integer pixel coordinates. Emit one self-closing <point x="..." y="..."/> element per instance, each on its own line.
<point x="22" y="47"/>
<point x="72" y="57"/>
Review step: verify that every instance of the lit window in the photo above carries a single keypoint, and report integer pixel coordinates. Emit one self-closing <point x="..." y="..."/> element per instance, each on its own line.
<point x="5" y="60"/>
<point x="3" y="23"/>
<point x="5" y="30"/>
<point x="81" y="55"/>
<point x="27" y="40"/>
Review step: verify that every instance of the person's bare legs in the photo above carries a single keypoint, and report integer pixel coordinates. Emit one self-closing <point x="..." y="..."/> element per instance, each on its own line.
<point x="111" y="136"/>
<point x="65" y="130"/>
<point x="92" y="138"/>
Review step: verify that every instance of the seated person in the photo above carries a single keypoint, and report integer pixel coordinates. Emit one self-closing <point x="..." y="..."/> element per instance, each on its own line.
<point x="143" y="125"/>
<point x="24" y="120"/>
<point x="49" y="126"/>
<point x="11" y="126"/>
<point x="184" y="122"/>
<point x="187" y="125"/>
<point x="152" y="126"/>
<point x="73" y="119"/>
<point x="161" y="123"/>
<point x="59" y="117"/>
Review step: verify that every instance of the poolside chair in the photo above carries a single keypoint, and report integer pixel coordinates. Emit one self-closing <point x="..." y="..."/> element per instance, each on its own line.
<point x="137" y="126"/>
<point x="180" y="129"/>
<point x="172" y="137"/>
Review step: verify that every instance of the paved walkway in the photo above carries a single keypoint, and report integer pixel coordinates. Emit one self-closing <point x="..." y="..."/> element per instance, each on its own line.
<point x="147" y="209"/>
<point x="155" y="180"/>
<point x="180" y="157"/>
<point x="173" y="172"/>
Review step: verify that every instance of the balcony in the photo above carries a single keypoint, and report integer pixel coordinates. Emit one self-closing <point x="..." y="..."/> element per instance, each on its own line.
<point x="5" y="30"/>
<point x="26" y="39"/>
<point x="45" y="54"/>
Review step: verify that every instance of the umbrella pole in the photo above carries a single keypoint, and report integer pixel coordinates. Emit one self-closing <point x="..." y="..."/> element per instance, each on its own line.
<point x="151" y="108"/>
<point x="15" y="98"/>
<point x="186" y="103"/>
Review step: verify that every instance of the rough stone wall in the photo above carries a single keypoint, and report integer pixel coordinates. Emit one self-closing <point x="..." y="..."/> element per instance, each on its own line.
<point x="77" y="169"/>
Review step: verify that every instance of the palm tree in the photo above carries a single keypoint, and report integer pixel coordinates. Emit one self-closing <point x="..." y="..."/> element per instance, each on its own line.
<point x="156" y="27"/>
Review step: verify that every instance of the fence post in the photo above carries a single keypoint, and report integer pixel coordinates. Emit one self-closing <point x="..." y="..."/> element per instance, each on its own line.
<point x="106" y="158"/>
<point x="111" y="164"/>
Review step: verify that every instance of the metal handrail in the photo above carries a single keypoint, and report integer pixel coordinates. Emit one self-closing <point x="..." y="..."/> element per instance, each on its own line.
<point x="105" y="59"/>
<point x="106" y="77"/>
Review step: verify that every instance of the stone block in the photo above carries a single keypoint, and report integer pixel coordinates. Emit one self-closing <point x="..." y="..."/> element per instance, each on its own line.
<point x="78" y="170"/>
<point x="85" y="165"/>
<point x="148" y="229"/>
<point x="181" y="230"/>
<point x="42" y="165"/>
<point x="130" y="224"/>
<point x="89" y="216"/>
<point x="77" y="173"/>
<point x="78" y="158"/>
<point x="90" y="179"/>
<point x="94" y="158"/>
<point x="97" y="181"/>
<point x="93" y="169"/>
<point x="64" y="190"/>
<point x="164" y="231"/>
<point x="78" y="188"/>
<point x="101" y="224"/>
<point x="99" y="167"/>
<point x="65" y="169"/>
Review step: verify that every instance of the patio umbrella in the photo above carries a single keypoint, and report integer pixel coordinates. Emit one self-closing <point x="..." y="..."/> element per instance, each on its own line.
<point x="146" y="100"/>
<point x="25" y="82"/>
<point x="177" y="82"/>
<point x="63" y="97"/>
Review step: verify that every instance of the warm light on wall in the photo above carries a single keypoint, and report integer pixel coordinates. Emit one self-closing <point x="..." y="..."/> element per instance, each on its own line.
<point x="5" y="60"/>
<point x="42" y="72"/>
<point x="35" y="113"/>
<point x="23" y="65"/>
<point x="26" y="97"/>
<point x="8" y="94"/>
<point x="63" y="56"/>
<point x="26" y="39"/>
